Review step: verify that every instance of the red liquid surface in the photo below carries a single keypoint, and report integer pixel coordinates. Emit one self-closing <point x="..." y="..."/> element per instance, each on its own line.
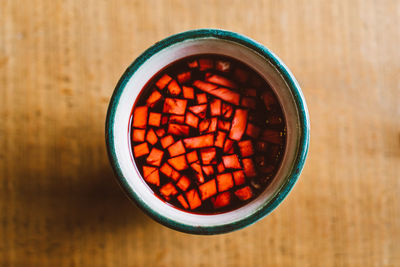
<point x="207" y="134"/>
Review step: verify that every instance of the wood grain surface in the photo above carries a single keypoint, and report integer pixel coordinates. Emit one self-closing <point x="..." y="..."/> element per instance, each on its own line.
<point x="59" y="203"/>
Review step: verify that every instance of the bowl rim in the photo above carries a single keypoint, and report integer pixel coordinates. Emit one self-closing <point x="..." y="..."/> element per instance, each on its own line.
<point x="303" y="138"/>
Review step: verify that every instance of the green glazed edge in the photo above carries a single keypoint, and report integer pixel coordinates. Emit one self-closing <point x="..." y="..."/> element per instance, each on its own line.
<point x="303" y="139"/>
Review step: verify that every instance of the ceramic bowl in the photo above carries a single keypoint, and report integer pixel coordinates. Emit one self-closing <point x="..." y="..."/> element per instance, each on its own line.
<point x="207" y="41"/>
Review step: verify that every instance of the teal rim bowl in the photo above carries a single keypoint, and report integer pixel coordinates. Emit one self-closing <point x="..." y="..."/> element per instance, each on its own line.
<point x="206" y="41"/>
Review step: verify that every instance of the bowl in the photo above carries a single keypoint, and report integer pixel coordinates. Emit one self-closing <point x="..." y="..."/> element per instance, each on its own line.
<point x="207" y="41"/>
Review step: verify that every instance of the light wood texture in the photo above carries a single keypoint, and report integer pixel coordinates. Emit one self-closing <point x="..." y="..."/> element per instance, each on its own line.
<point x="59" y="203"/>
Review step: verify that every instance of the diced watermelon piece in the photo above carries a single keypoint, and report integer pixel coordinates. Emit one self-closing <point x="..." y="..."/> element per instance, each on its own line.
<point x="213" y="125"/>
<point x="251" y="92"/>
<point x="168" y="190"/>
<point x="223" y="65"/>
<point x="220" y="80"/>
<point x="208" y="189"/>
<point x="261" y="146"/>
<point x="221" y="92"/>
<point x="241" y="75"/>
<point x="199" y="110"/>
<point x="220" y="167"/>
<point x="208" y="155"/>
<point x="153" y="98"/>
<point x="163" y="81"/>
<point x="147" y="170"/>
<point x="166" y="169"/>
<point x="215" y="107"/>
<point x="197" y="169"/>
<point x="138" y="135"/>
<point x="248" y="167"/>
<point x="184" y="77"/>
<point x="205" y="63"/>
<point x="208" y="170"/>
<point x="269" y="100"/>
<point x="244" y="193"/>
<point x="248" y="102"/>
<point x="227" y="110"/>
<point x="166" y="141"/>
<point x="160" y="132"/>
<point x="238" y="177"/>
<point x="201" y="141"/>
<point x="224" y="125"/>
<point x="201" y="98"/>
<point x="151" y="137"/>
<point x="192" y="156"/>
<point x="272" y="136"/>
<point x="239" y="124"/>
<point x="153" y="178"/>
<point x="183" y="202"/>
<point x="178" y="129"/>
<point x="246" y="148"/>
<point x="164" y="119"/>
<point x="141" y="150"/>
<point x="154" y="119"/>
<point x="203" y="126"/>
<point x="155" y="157"/>
<point x="188" y="92"/>
<point x="220" y="139"/>
<point x="177" y="118"/>
<point x="192" y="120"/>
<point x="179" y="162"/>
<point x="230" y="151"/>
<point x="174" y="88"/>
<point x="225" y="181"/>
<point x="193" y="198"/>
<point x="176" y="149"/>
<point x="252" y="130"/>
<point x="221" y="200"/>
<point x="183" y="183"/>
<point x="175" y="106"/>
<point x="228" y="145"/>
<point x="231" y="162"/>
<point x="140" y="117"/>
<point x="193" y="64"/>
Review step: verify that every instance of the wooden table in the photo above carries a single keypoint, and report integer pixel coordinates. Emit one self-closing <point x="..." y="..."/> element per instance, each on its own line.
<point x="59" y="203"/>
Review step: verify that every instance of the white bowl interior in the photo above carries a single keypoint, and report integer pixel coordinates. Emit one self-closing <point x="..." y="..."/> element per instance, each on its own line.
<point x="153" y="65"/>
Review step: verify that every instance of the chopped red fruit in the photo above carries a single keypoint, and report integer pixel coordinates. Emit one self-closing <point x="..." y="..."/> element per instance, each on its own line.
<point x="261" y="146"/>
<point x="215" y="107"/>
<point x="208" y="189"/>
<point x="177" y="118"/>
<point x="197" y="168"/>
<point x="193" y="64"/>
<point x="239" y="124"/>
<point x="220" y="139"/>
<point x="191" y="120"/>
<point x="248" y="102"/>
<point x="163" y="81"/>
<point x="220" y="167"/>
<point x="140" y="117"/>
<point x="227" y="110"/>
<point x="160" y="132"/>
<point x="199" y="110"/>
<point x="228" y="145"/>
<point x="225" y="181"/>
<point x="223" y="65"/>
<point x="221" y="200"/>
<point x="164" y="119"/>
<point x="246" y="148"/>
<point x="184" y="77"/>
<point x="169" y="171"/>
<point x="141" y="149"/>
<point x="203" y="126"/>
<point x="138" y="135"/>
<point x="183" y="183"/>
<point x="188" y="92"/>
<point x="168" y="190"/>
<point x="205" y="63"/>
<point x="208" y="155"/>
<point x="151" y="137"/>
<point x="192" y="156"/>
<point x="251" y="92"/>
<point x="238" y="177"/>
<point x="183" y="202"/>
<point x="201" y="98"/>
<point x="244" y="193"/>
<point x="153" y="178"/>
<point x="224" y="125"/>
<point x="221" y="92"/>
<point x="155" y="157"/>
<point x="174" y="88"/>
<point x="147" y="170"/>
<point x="154" y="119"/>
<point x="208" y="170"/>
<point x="176" y="149"/>
<point x="272" y="136"/>
<point x="241" y="75"/>
<point x="269" y="100"/>
<point x="199" y="141"/>
<point x="231" y="162"/>
<point x="178" y="129"/>
<point x="175" y="106"/>
<point x="179" y="162"/>
<point x="248" y="167"/>
<point x="220" y="80"/>
<point x="166" y="141"/>
<point x="230" y="151"/>
<point x="193" y="198"/>
<point x="213" y="125"/>
<point x="252" y="130"/>
<point x="153" y="98"/>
